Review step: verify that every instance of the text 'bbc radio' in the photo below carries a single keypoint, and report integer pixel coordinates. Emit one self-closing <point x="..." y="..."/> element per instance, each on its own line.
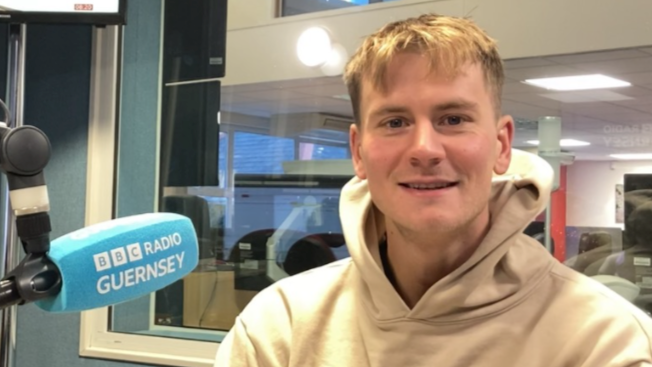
<point x="137" y="252"/>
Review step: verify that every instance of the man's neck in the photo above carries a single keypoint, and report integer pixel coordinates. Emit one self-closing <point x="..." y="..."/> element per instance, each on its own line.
<point x="417" y="264"/>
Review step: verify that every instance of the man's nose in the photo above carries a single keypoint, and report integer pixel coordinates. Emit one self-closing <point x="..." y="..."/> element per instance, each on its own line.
<point x="427" y="148"/>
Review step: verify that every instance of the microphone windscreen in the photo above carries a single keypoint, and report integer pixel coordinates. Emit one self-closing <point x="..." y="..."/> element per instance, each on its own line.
<point x="121" y="260"/>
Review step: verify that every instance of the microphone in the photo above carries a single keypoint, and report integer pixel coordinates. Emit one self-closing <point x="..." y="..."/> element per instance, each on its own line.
<point x="112" y="262"/>
<point x="104" y="264"/>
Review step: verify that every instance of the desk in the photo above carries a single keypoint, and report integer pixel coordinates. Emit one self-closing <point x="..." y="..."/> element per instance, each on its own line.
<point x="211" y="301"/>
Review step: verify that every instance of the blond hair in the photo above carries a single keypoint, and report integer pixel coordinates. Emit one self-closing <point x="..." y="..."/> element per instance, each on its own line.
<point x="449" y="43"/>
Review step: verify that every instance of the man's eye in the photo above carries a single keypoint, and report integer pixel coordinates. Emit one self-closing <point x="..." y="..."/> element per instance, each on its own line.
<point x="394" y="123"/>
<point x="454" y="120"/>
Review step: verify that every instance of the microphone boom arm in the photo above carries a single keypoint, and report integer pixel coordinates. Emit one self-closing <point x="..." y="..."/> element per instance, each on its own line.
<point x="24" y="153"/>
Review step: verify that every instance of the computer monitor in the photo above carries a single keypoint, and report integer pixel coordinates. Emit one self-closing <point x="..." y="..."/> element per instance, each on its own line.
<point x="99" y="12"/>
<point x="637" y="191"/>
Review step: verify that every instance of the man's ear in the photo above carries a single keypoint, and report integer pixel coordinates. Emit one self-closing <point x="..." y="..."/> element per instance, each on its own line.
<point x="355" y="142"/>
<point x="505" y="134"/>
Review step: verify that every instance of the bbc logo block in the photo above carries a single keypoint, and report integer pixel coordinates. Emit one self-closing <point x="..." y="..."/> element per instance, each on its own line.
<point x="117" y="257"/>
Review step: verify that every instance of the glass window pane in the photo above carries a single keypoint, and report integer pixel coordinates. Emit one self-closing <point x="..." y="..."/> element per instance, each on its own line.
<point x="311" y="151"/>
<point x="223" y="159"/>
<point x="257" y="153"/>
<point x="296" y="7"/>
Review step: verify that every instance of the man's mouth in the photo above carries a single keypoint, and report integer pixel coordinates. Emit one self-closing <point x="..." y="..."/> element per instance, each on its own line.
<point x="429" y="186"/>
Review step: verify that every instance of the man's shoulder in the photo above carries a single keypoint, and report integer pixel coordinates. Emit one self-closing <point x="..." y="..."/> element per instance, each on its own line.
<point x="582" y="297"/>
<point x="595" y="301"/>
<point x="305" y="292"/>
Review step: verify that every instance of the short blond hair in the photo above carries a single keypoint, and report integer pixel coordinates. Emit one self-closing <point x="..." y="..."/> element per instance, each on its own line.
<point x="449" y="42"/>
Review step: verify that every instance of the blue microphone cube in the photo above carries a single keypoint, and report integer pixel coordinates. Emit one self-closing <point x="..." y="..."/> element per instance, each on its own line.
<point x="121" y="260"/>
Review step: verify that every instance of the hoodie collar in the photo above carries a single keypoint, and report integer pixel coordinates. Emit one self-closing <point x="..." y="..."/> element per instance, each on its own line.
<point x="497" y="274"/>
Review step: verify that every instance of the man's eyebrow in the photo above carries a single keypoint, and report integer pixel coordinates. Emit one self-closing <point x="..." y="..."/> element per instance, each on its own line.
<point x="459" y="104"/>
<point x="388" y="110"/>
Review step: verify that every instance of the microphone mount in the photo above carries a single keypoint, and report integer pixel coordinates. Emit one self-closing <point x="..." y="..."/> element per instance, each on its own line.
<point x="24" y="153"/>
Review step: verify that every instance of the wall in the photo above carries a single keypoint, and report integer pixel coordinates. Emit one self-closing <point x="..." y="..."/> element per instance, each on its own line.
<point x="591" y="199"/>
<point x="138" y="134"/>
<point x="250" y="13"/>
<point x="275" y="41"/>
<point x="523" y="28"/>
<point x="57" y="100"/>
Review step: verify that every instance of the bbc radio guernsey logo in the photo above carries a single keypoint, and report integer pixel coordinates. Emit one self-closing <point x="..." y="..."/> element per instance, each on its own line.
<point x="123" y="276"/>
<point x="117" y="257"/>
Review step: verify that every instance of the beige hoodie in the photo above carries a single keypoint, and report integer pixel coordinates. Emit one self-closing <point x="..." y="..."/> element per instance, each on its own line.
<point x="510" y="304"/>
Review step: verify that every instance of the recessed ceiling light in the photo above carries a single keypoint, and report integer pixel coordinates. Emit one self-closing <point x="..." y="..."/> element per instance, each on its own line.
<point x="633" y="156"/>
<point x="584" y="96"/>
<point x="565" y="143"/>
<point x="345" y="97"/>
<point x="578" y="82"/>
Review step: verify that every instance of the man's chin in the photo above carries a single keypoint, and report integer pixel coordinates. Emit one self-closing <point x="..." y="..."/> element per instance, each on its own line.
<point x="435" y="225"/>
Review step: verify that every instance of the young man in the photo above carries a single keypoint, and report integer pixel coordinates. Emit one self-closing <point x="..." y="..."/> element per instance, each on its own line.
<point x="440" y="272"/>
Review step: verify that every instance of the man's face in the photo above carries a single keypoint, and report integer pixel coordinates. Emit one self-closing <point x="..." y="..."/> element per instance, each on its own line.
<point x="428" y="146"/>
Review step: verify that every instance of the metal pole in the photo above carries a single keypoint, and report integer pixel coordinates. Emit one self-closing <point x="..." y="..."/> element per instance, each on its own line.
<point x="547" y="241"/>
<point x="549" y="131"/>
<point x="10" y="249"/>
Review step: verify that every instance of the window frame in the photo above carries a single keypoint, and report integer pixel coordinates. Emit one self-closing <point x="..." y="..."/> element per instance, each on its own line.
<point x="97" y="340"/>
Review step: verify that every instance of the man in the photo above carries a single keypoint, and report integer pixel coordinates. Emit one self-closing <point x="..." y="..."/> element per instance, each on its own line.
<point x="440" y="272"/>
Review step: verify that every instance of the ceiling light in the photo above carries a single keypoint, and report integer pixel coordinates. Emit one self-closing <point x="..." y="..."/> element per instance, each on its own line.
<point x="633" y="156"/>
<point x="334" y="65"/>
<point x="345" y="97"/>
<point x="565" y="143"/>
<point x="314" y="46"/>
<point x="578" y="82"/>
<point x="583" y="96"/>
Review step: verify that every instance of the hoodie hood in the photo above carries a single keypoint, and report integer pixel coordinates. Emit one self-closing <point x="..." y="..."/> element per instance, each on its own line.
<point x="504" y="268"/>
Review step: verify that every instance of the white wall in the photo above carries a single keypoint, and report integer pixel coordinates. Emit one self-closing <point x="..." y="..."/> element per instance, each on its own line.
<point x="266" y="51"/>
<point x="249" y="13"/>
<point x="550" y="27"/>
<point x="261" y="48"/>
<point x="591" y="191"/>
